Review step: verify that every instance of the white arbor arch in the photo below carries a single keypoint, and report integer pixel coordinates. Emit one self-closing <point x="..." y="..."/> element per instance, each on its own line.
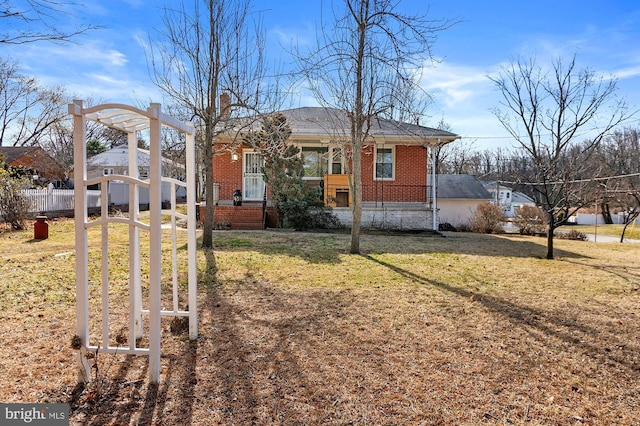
<point x="132" y="120"/>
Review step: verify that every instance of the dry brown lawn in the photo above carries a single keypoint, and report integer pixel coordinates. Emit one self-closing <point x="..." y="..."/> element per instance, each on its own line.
<point x="464" y="330"/>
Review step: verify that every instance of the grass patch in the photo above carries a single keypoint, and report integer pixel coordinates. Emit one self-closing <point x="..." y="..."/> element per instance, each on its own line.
<point x="469" y="329"/>
<point x="633" y="232"/>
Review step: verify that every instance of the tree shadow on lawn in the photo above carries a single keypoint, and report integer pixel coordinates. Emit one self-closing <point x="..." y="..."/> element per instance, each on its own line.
<point x="327" y="248"/>
<point x="252" y="374"/>
<point x="629" y="273"/>
<point x="588" y="340"/>
<point x="498" y="245"/>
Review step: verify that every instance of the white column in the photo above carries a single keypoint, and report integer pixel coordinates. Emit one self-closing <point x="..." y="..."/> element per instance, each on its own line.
<point x="434" y="200"/>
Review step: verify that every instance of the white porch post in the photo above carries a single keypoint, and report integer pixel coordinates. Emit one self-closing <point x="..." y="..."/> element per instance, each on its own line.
<point x="434" y="200"/>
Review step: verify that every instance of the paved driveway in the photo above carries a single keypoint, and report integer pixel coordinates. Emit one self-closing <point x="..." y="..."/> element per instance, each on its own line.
<point x="607" y="239"/>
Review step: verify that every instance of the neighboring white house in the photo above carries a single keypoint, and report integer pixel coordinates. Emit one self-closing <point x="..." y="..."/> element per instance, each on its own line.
<point x="459" y="197"/>
<point x="518" y="199"/>
<point x="506" y="198"/>
<point x="116" y="162"/>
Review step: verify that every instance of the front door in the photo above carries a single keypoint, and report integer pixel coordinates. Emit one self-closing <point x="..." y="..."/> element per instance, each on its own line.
<point x="252" y="178"/>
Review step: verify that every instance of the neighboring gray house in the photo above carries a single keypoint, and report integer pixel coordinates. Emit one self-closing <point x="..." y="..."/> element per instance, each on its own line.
<point x="459" y="197"/>
<point x="116" y="162"/>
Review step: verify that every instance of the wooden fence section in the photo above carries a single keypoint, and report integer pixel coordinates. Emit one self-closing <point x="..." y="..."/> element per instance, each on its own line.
<point x="50" y="200"/>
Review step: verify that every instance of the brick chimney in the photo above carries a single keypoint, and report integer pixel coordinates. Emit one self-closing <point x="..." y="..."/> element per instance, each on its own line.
<point x="225" y="108"/>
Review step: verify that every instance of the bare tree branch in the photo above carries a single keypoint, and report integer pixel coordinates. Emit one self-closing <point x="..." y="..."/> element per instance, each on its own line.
<point x="38" y="20"/>
<point x="27" y="109"/>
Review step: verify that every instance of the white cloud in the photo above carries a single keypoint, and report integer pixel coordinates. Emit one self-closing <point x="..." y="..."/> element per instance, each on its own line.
<point x="453" y="85"/>
<point x="463" y="98"/>
<point x="92" y="53"/>
<point x="108" y="88"/>
<point x="629" y="72"/>
<point x="142" y="40"/>
<point x="291" y="38"/>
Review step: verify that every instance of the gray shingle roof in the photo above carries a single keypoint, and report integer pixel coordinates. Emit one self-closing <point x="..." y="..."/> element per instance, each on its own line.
<point x="458" y="187"/>
<point x="318" y="120"/>
<point x="309" y="122"/>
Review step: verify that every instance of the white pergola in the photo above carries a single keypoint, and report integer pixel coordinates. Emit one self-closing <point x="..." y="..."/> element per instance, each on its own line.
<point x="132" y="120"/>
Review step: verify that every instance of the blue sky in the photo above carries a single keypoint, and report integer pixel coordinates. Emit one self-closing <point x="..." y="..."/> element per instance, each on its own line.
<point x="109" y="64"/>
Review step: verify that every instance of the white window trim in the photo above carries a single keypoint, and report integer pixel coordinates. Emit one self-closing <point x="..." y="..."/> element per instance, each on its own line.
<point x="393" y="162"/>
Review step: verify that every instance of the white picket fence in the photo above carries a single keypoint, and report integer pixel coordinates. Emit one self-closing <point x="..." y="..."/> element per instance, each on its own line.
<point x="49" y="200"/>
<point x="590" y="219"/>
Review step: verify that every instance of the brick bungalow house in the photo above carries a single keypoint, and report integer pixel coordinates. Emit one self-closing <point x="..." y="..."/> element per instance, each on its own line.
<point x="33" y="162"/>
<point x="395" y="170"/>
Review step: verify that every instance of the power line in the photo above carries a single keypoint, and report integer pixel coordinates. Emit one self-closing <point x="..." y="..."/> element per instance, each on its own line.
<point x="515" y="138"/>
<point x="569" y="181"/>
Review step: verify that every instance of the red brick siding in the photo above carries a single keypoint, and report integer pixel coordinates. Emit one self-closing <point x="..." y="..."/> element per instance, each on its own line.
<point x="227" y="173"/>
<point x="409" y="183"/>
<point x="223" y="215"/>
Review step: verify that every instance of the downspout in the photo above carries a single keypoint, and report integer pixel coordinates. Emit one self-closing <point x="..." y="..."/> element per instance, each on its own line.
<point x="434" y="203"/>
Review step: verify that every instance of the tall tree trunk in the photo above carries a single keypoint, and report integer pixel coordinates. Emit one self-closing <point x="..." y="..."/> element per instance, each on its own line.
<point x="357" y="126"/>
<point x="630" y="219"/>
<point x="606" y="212"/>
<point x="356" y="196"/>
<point x="207" y="232"/>
<point x="550" y="231"/>
<point x="550" y="243"/>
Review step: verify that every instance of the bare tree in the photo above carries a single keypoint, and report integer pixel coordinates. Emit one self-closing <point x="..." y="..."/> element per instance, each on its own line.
<point x="27" y="109"/>
<point x="33" y="21"/>
<point x="208" y="49"/>
<point x="455" y="158"/>
<point x="365" y="64"/>
<point x="619" y="158"/>
<point x="546" y="113"/>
